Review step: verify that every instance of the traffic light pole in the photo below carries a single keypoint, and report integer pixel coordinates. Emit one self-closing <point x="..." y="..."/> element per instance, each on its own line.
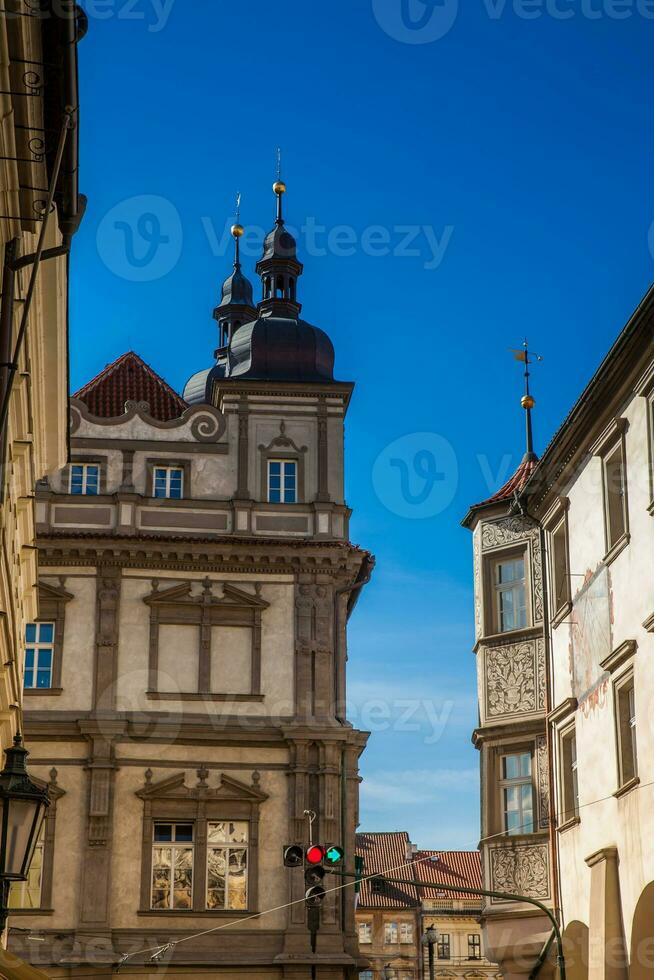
<point x="505" y="896"/>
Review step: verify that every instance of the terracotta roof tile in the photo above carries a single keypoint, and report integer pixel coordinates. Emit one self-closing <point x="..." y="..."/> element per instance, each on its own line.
<point x="515" y="484"/>
<point x="381" y="852"/>
<point x="451" y="868"/>
<point x="130" y="379"/>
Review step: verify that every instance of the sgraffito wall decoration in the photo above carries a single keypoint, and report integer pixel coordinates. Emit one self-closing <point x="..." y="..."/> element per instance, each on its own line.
<point x="591" y="639"/>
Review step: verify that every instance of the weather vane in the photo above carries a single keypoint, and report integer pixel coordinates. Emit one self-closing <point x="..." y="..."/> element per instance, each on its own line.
<point x="238" y="207"/>
<point x="279" y="163"/>
<point x="527" y="401"/>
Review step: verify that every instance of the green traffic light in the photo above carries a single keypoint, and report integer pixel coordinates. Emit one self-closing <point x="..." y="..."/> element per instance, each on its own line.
<point x="334" y="854"/>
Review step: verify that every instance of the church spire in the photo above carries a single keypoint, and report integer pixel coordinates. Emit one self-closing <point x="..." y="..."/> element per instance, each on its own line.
<point x="236" y="305"/>
<point x="279" y="267"/>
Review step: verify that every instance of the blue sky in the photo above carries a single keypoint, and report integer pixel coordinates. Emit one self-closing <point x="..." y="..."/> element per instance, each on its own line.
<point x="460" y="176"/>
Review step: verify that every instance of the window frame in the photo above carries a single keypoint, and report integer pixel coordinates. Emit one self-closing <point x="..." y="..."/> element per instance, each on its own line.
<point x="568" y="776"/>
<point x="406" y="928"/>
<point x="85" y="464"/>
<point x="475" y="944"/>
<point x="367" y="927"/>
<point x="170" y="463"/>
<point x="518" y="552"/>
<point x="228" y="847"/>
<point x="506" y="783"/>
<point x="168" y="471"/>
<point x="613" y="442"/>
<point x="443" y="945"/>
<point x="170" y="801"/>
<point x="283" y="463"/>
<point x="389" y="926"/>
<point x="626" y="730"/>
<point x="37" y="646"/>
<point x="556" y="523"/>
<point x="174" y="846"/>
<point x="645" y="388"/>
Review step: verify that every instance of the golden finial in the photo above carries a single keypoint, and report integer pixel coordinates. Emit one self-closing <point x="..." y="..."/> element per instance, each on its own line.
<point x="237" y="228"/>
<point x="279" y="187"/>
<point x="528" y="401"/>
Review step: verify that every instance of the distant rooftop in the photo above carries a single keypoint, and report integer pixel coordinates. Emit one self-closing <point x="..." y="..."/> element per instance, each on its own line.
<point x="129" y="378"/>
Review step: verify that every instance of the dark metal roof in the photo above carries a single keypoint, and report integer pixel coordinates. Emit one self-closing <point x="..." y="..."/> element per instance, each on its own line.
<point x="279" y="349"/>
<point x="236" y="291"/>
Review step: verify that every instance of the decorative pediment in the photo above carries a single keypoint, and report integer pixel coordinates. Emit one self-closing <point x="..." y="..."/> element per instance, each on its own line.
<point x="227" y="788"/>
<point x="183" y="594"/>
<point x="54" y="593"/>
<point x="282" y="441"/>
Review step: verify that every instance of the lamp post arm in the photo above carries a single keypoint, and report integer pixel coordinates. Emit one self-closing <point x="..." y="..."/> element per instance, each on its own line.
<point x="505" y="896"/>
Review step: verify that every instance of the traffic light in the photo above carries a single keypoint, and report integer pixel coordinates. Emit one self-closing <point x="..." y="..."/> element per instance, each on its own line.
<point x="333" y="855"/>
<point x="315" y="854"/>
<point x="313" y="876"/>
<point x="293" y="856"/>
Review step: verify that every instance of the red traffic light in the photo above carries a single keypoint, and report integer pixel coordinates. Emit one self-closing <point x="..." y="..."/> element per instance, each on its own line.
<point x="315" y="854"/>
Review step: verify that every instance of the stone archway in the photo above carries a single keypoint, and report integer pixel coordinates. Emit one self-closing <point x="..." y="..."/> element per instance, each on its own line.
<point x="642" y="937"/>
<point x="575" y="950"/>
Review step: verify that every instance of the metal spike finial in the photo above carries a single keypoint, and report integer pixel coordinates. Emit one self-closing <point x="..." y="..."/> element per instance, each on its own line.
<point x="527" y="401"/>
<point x="238" y="207"/>
<point x="279" y="163"/>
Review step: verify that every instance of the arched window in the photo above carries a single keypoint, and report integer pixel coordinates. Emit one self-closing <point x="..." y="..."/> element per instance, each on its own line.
<point x="279" y="287"/>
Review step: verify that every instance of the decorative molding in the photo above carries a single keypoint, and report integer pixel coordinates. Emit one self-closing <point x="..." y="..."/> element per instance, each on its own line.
<point x="607" y="439"/>
<point x="52" y="601"/>
<point x="207" y="423"/>
<point x="563" y="710"/>
<point x="649" y="624"/>
<point x="178" y="605"/>
<point x="542" y="783"/>
<point x="522" y="869"/>
<point x="619" y="656"/>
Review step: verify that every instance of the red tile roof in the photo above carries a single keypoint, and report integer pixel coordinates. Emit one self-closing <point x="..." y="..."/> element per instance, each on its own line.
<point x="130" y="379"/>
<point x="451" y="868"/>
<point x="381" y="852"/>
<point x="514" y="485"/>
<point x="386" y="851"/>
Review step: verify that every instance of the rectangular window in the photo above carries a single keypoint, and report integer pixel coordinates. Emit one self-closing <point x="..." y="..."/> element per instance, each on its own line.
<point x="615" y="496"/>
<point x="474" y="946"/>
<point x="517" y="793"/>
<point x="510" y="595"/>
<point x="227" y="865"/>
<point x="39" y="654"/>
<point x="406" y="932"/>
<point x="560" y="569"/>
<point x="390" y="933"/>
<point x="625" y="706"/>
<point x="443" y="946"/>
<point x="168" y="482"/>
<point x="569" y="779"/>
<point x="85" y="478"/>
<point x="27" y="894"/>
<point x="172" y="866"/>
<point x="365" y="932"/>
<point x="366" y="975"/>
<point x="282" y="481"/>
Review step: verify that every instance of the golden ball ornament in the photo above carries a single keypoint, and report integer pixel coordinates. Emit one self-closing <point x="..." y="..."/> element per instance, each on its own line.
<point x="527" y="401"/>
<point x="237" y="231"/>
<point x="279" y="187"/>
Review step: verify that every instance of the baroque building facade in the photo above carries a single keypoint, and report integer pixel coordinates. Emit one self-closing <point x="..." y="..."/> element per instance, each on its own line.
<point x="39" y="110"/>
<point x="565" y="689"/>
<point x="185" y="698"/>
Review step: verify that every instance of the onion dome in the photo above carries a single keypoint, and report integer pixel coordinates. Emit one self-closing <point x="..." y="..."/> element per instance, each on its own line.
<point x="280" y="349"/>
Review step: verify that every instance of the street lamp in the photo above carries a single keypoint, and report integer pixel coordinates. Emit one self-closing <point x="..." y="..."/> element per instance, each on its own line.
<point x="23" y="805"/>
<point x="429" y="939"/>
<point x="387" y="973"/>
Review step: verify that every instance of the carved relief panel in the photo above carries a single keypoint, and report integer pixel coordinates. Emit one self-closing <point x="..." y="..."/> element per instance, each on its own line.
<point x="521" y="869"/>
<point x="514" y="679"/>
